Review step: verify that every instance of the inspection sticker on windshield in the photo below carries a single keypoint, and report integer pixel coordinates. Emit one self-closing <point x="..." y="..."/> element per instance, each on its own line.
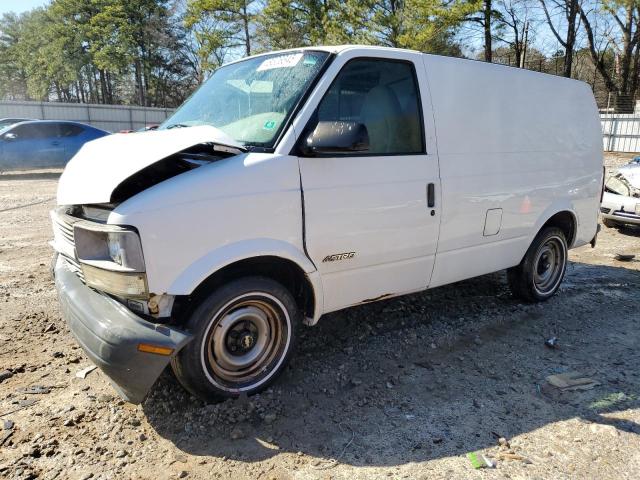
<point x="281" y="61"/>
<point x="269" y="125"/>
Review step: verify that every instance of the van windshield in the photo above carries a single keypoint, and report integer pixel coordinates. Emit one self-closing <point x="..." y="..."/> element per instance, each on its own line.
<point x="251" y="100"/>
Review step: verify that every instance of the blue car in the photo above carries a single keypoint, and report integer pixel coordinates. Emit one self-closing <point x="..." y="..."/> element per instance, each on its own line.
<point x="43" y="143"/>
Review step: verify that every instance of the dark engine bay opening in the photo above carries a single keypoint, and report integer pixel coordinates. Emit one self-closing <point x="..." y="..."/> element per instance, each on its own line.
<point x="169" y="167"/>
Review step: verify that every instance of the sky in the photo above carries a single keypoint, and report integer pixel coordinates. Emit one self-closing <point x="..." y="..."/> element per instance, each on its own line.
<point x="20" y="5"/>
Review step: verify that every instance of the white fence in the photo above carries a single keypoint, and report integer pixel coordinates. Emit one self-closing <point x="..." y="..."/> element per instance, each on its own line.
<point x="112" y="118"/>
<point x="621" y="132"/>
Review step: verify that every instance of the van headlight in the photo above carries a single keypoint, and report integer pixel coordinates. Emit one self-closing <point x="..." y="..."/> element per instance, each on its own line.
<point x="111" y="258"/>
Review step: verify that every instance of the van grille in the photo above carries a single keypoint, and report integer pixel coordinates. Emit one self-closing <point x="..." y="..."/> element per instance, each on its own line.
<point x="74" y="266"/>
<point x="65" y="243"/>
<point x="65" y="228"/>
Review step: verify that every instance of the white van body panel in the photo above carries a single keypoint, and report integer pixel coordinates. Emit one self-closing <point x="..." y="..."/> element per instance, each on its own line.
<point x="371" y="206"/>
<point x="101" y="165"/>
<point x="200" y="221"/>
<point x="508" y="138"/>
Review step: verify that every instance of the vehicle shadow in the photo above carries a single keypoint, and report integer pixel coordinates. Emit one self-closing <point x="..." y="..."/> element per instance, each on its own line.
<point x="430" y="375"/>
<point x="630" y="230"/>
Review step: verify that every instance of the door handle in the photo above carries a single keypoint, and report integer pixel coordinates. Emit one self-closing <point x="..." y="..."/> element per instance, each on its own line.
<point x="431" y="195"/>
<point x="55" y="143"/>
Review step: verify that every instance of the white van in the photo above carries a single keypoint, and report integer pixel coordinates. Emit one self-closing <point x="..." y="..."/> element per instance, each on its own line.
<point x="297" y="183"/>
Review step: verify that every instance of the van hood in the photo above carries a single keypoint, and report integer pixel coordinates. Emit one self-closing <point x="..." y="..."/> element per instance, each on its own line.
<point x="102" y="165"/>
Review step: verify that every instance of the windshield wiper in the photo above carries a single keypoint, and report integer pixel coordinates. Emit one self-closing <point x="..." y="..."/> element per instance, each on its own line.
<point x="177" y="125"/>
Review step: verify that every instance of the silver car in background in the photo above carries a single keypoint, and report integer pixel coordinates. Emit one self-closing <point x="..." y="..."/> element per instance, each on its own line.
<point x="621" y="199"/>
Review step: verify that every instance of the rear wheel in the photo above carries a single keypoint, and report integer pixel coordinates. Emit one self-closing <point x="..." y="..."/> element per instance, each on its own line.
<point x="542" y="269"/>
<point x="244" y="335"/>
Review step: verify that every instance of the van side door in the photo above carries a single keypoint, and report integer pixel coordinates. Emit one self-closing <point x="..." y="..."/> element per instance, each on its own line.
<point x="371" y="214"/>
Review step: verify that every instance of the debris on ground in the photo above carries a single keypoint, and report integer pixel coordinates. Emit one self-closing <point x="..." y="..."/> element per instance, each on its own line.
<point x="4" y="436"/>
<point x="50" y="328"/>
<point x="35" y="390"/>
<point x="512" y="457"/>
<point x="85" y="371"/>
<point x="611" y="400"/>
<point x="506" y="451"/>
<point x="27" y="402"/>
<point x="479" y="460"/>
<point x="572" y="381"/>
<point x="624" y="257"/>
<point x="551" y="342"/>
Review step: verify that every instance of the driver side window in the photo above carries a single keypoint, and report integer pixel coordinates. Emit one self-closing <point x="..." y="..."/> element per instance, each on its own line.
<point x="383" y="96"/>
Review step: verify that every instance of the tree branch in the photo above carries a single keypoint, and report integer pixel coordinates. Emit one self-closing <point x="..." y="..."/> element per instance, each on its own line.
<point x="553" y="29"/>
<point x="597" y="60"/>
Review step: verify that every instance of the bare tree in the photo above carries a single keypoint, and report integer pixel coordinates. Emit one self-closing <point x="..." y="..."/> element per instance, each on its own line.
<point x="625" y="43"/>
<point x="485" y="16"/>
<point x="569" y="11"/>
<point x="516" y="20"/>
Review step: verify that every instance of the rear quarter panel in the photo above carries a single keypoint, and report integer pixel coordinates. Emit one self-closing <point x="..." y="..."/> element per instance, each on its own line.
<point x="525" y="142"/>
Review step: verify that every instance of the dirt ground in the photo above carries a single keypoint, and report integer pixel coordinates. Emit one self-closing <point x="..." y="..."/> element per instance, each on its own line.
<point x="399" y="389"/>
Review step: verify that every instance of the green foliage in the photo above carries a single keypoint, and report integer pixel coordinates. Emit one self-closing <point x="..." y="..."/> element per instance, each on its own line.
<point x="12" y="73"/>
<point x="285" y="24"/>
<point x="104" y="51"/>
<point x="427" y="25"/>
<point x="431" y="24"/>
<point x="220" y="26"/>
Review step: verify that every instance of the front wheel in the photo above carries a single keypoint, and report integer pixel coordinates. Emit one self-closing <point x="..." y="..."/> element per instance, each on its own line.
<point x="542" y="269"/>
<point x="244" y="335"/>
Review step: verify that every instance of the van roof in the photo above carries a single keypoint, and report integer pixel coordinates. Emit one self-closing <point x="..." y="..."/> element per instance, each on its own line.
<point x="326" y="48"/>
<point x="342" y="48"/>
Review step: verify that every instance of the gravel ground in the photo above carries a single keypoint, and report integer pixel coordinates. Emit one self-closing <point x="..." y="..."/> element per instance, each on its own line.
<point x="397" y="389"/>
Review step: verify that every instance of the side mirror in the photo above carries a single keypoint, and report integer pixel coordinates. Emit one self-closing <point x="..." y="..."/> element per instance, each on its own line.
<point x="336" y="138"/>
<point x="10" y="136"/>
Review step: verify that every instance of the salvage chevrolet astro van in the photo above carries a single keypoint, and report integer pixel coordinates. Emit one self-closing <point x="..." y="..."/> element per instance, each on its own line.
<point x="297" y="183"/>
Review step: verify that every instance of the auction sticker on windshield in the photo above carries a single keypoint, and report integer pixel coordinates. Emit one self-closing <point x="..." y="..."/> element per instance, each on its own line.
<point x="281" y="61"/>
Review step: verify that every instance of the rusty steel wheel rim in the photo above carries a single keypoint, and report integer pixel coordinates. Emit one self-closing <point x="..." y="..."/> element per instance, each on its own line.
<point x="549" y="265"/>
<point x="245" y="342"/>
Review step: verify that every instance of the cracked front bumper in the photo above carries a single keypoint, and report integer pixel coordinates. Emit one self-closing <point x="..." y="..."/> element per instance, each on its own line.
<point x="109" y="334"/>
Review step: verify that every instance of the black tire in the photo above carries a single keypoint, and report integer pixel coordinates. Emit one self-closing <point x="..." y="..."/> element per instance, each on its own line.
<point x="610" y="223"/>
<point x="243" y="315"/>
<point x="542" y="269"/>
